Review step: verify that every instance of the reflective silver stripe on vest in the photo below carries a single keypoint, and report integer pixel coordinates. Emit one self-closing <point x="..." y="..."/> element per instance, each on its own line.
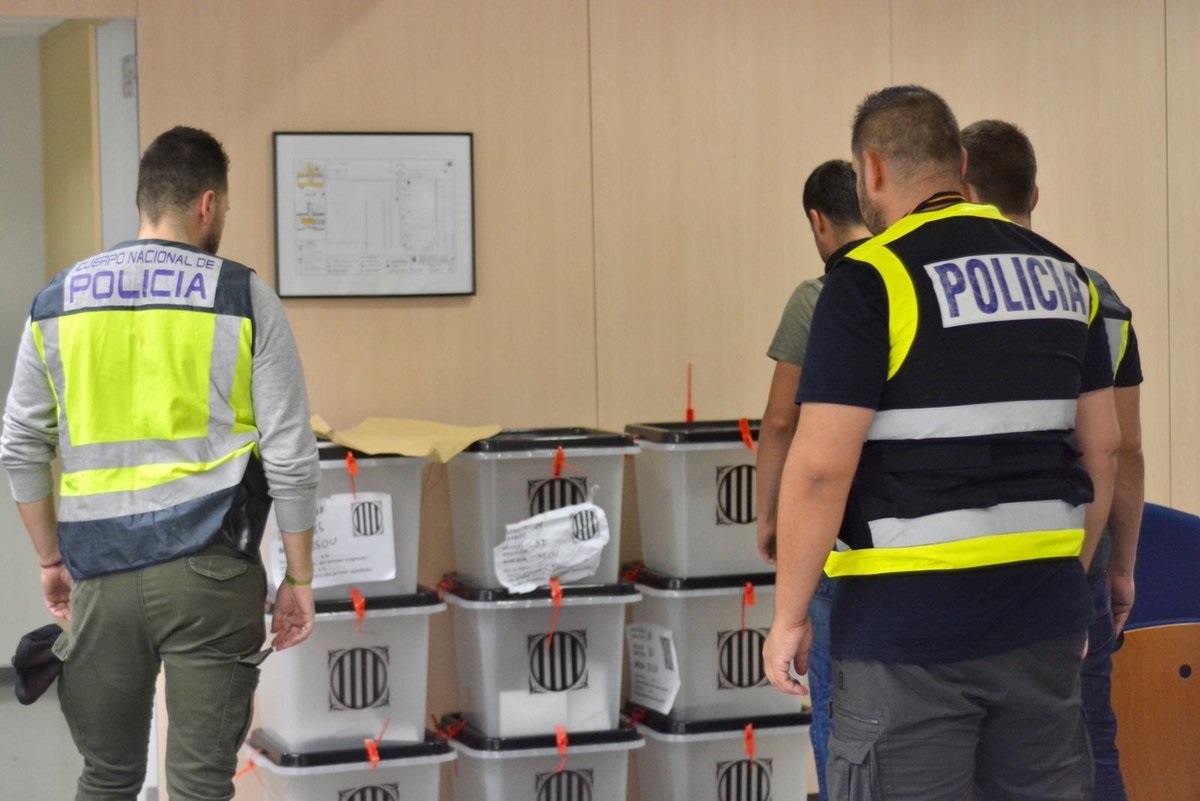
<point x="973" y="420"/>
<point x="962" y="524"/>
<point x="102" y="506"/>
<point x="1115" y="330"/>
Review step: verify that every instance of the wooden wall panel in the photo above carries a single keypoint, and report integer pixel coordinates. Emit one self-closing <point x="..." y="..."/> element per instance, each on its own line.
<point x="70" y="144"/>
<point x="707" y="118"/>
<point x="515" y="74"/>
<point x="1093" y="102"/>
<point x="1183" y="279"/>
<point x="85" y="9"/>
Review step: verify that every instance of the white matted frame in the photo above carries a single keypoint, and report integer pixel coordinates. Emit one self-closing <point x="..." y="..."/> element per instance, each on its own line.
<point x="374" y="214"/>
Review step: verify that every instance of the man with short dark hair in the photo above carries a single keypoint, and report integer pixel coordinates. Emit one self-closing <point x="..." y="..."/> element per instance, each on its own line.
<point x="831" y="205"/>
<point x="956" y="395"/>
<point x="1002" y="171"/>
<point x="168" y="382"/>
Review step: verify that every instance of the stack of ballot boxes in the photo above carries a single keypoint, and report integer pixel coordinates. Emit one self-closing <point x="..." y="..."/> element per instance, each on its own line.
<point x="538" y="616"/>
<point x="343" y="714"/>
<point x="714" y="726"/>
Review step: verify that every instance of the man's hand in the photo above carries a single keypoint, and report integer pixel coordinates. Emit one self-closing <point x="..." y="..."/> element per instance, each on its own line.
<point x="294" y="613"/>
<point x="56" y="587"/>
<point x="787" y="647"/>
<point x="766" y="541"/>
<point x="1120" y="587"/>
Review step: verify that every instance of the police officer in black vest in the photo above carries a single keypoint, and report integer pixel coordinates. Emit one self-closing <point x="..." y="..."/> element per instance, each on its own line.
<point x="956" y="440"/>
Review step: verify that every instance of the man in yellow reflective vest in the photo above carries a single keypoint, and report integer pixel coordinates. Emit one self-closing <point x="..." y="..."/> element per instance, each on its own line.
<point x="168" y="381"/>
<point x="956" y="439"/>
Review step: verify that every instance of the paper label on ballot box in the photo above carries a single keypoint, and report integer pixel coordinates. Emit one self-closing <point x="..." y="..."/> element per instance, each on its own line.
<point x="653" y="666"/>
<point x="564" y="543"/>
<point x="353" y="541"/>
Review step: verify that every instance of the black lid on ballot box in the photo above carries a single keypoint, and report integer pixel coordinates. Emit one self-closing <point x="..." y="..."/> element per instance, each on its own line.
<point x="640" y="574"/>
<point x="471" y="738"/>
<point x="422" y="597"/>
<point x="262" y="742"/>
<point x="454" y="585"/>
<point x="688" y="433"/>
<point x="665" y="724"/>
<point x="530" y="439"/>
<point x="329" y="452"/>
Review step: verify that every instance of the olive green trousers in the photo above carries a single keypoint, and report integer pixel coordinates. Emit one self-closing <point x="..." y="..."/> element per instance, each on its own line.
<point x="201" y="619"/>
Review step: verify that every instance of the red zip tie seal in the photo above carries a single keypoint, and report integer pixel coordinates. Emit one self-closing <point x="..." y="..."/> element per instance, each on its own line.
<point x="372" y="752"/>
<point x="352" y="471"/>
<point x="560" y="742"/>
<point x="250" y="766"/>
<point x="689" y="414"/>
<point x="372" y="746"/>
<point x="556" y="596"/>
<point x="360" y="608"/>
<point x="449" y="733"/>
<point x="632" y="572"/>
<point x="747" y="437"/>
<point x="749" y="735"/>
<point x="560" y="461"/>
<point x="747" y="600"/>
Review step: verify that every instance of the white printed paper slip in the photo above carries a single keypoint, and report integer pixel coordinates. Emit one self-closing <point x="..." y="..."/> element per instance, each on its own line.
<point x="564" y="543"/>
<point x="353" y="540"/>
<point x="653" y="666"/>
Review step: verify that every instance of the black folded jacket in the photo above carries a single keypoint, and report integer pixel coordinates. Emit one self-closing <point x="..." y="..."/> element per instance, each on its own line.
<point x="36" y="665"/>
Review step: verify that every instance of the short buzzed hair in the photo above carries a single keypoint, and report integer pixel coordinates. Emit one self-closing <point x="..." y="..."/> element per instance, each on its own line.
<point x="911" y="127"/>
<point x="1001" y="165"/>
<point x="178" y="167"/>
<point x="830" y="190"/>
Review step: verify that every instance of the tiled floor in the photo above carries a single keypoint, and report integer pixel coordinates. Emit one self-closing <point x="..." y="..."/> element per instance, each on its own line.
<point x="37" y="757"/>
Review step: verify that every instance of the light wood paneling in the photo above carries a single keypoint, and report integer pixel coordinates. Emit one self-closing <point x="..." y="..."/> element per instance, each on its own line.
<point x="1094" y="105"/>
<point x="515" y="74"/>
<point x="70" y="144"/>
<point x="1156" y="693"/>
<point x="85" y="9"/>
<point x="1183" y="280"/>
<point x="707" y="118"/>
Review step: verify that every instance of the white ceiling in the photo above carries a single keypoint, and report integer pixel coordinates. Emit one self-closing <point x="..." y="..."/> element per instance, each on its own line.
<point x="26" y="27"/>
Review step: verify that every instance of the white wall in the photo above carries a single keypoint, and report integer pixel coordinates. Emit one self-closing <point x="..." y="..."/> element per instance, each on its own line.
<point x="22" y="263"/>
<point x="119" y="152"/>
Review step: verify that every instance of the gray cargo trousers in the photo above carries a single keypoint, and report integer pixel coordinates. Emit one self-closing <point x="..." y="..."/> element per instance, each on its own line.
<point x="1007" y="727"/>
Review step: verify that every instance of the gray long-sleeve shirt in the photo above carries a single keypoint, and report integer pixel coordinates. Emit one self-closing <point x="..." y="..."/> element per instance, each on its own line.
<point x="278" y="395"/>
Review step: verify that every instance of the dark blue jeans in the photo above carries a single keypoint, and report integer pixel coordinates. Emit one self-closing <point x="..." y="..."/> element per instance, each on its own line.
<point x="1096" y="693"/>
<point x="820" y="682"/>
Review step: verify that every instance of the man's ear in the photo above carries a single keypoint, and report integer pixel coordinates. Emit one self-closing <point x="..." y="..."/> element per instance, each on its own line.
<point x="875" y="171"/>
<point x="206" y="206"/>
<point x="1033" y="200"/>
<point x="816" y="221"/>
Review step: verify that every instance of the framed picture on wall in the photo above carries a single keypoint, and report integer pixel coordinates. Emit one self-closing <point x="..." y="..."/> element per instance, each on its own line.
<point x="374" y="214"/>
